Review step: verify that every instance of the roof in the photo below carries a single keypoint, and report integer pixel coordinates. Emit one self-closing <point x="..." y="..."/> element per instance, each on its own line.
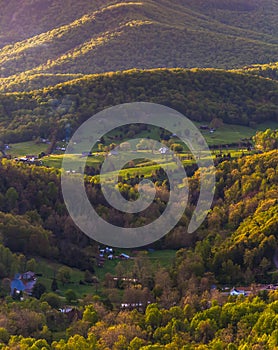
<point x="17" y="284"/>
<point x="125" y="256"/>
<point x="23" y="282"/>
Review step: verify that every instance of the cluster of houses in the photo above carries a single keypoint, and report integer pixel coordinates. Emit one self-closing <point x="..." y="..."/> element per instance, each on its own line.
<point x="29" y="159"/>
<point x="108" y="253"/>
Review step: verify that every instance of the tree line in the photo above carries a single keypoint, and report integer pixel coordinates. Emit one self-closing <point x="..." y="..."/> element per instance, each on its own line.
<point x="201" y="95"/>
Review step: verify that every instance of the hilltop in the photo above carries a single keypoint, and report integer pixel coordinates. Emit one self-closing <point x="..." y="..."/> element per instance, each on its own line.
<point x="269" y="70"/>
<point x="55" y="37"/>
<point x="200" y="94"/>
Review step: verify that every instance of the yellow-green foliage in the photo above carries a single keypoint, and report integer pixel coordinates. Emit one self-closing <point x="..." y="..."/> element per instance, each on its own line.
<point x="201" y="95"/>
<point x="92" y="38"/>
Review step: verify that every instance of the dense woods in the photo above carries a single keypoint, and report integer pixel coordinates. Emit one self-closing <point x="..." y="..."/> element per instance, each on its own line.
<point x="61" y="62"/>
<point x="198" y="323"/>
<point x="235" y="245"/>
<point x="269" y="70"/>
<point x="85" y="37"/>
<point x="201" y="95"/>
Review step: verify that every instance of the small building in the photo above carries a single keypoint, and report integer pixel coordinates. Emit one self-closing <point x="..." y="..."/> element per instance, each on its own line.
<point x="163" y="150"/>
<point x="132" y="306"/>
<point x="24" y="282"/>
<point x="124" y="256"/>
<point x="237" y="292"/>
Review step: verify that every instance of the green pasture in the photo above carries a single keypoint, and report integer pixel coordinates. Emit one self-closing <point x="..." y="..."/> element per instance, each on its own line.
<point x="227" y="134"/>
<point x="25" y="148"/>
<point x="230" y="133"/>
<point x="49" y="269"/>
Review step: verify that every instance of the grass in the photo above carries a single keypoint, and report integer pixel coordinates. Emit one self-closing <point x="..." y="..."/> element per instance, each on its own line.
<point x="230" y="133"/>
<point x="162" y="258"/>
<point x="146" y="168"/>
<point x="227" y="134"/>
<point x="267" y="125"/>
<point x="55" y="160"/>
<point x="25" y="148"/>
<point x="49" y="268"/>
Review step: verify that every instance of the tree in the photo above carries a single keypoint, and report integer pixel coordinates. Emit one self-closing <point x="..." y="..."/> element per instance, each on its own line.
<point x="38" y="290"/>
<point x="90" y="315"/>
<point x="206" y="330"/>
<point x="136" y="344"/>
<point x="31" y="265"/>
<point x="153" y="316"/>
<point x="121" y="343"/>
<point x="216" y="123"/>
<point x="88" y="277"/>
<point x="266" y="140"/>
<point x="52" y="299"/>
<point x="5" y="286"/>
<point x="54" y="285"/>
<point x="176" y="147"/>
<point x="4" y="335"/>
<point x="64" y="274"/>
<point x="70" y="295"/>
<point x="11" y="198"/>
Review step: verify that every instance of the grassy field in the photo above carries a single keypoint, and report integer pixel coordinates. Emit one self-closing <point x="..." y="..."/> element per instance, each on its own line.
<point x="25" y="148"/>
<point x="226" y="134"/>
<point x="55" y="160"/>
<point x="49" y="269"/>
<point x="143" y="167"/>
<point x="230" y="133"/>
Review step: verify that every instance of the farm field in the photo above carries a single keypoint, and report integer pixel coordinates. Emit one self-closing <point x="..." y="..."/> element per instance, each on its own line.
<point x="226" y="134"/>
<point x="25" y="148"/>
<point x="48" y="269"/>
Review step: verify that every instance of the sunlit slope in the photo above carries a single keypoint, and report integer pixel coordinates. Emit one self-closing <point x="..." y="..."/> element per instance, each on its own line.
<point x="269" y="70"/>
<point x="141" y="34"/>
<point x="200" y="94"/>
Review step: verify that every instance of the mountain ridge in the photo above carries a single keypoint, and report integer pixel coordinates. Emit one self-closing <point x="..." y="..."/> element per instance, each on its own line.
<point x="121" y="35"/>
<point x="201" y="94"/>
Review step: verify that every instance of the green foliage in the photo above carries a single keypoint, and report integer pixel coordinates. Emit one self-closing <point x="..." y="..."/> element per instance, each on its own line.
<point x="38" y="290"/>
<point x="54" y="285"/>
<point x="91" y="37"/>
<point x="20" y="235"/>
<point x="64" y="274"/>
<point x="266" y="140"/>
<point x="52" y="299"/>
<point x="198" y="93"/>
<point x="4" y="335"/>
<point x="90" y="315"/>
<point x="70" y="296"/>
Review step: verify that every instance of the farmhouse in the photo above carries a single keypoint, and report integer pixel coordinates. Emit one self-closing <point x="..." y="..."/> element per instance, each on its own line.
<point x="24" y="282"/>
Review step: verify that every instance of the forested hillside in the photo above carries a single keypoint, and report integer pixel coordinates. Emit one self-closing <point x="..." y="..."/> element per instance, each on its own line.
<point x="269" y="70"/>
<point x="199" y="94"/>
<point x="236" y="243"/>
<point x="93" y="37"/>
<point x="63" y="61"/>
